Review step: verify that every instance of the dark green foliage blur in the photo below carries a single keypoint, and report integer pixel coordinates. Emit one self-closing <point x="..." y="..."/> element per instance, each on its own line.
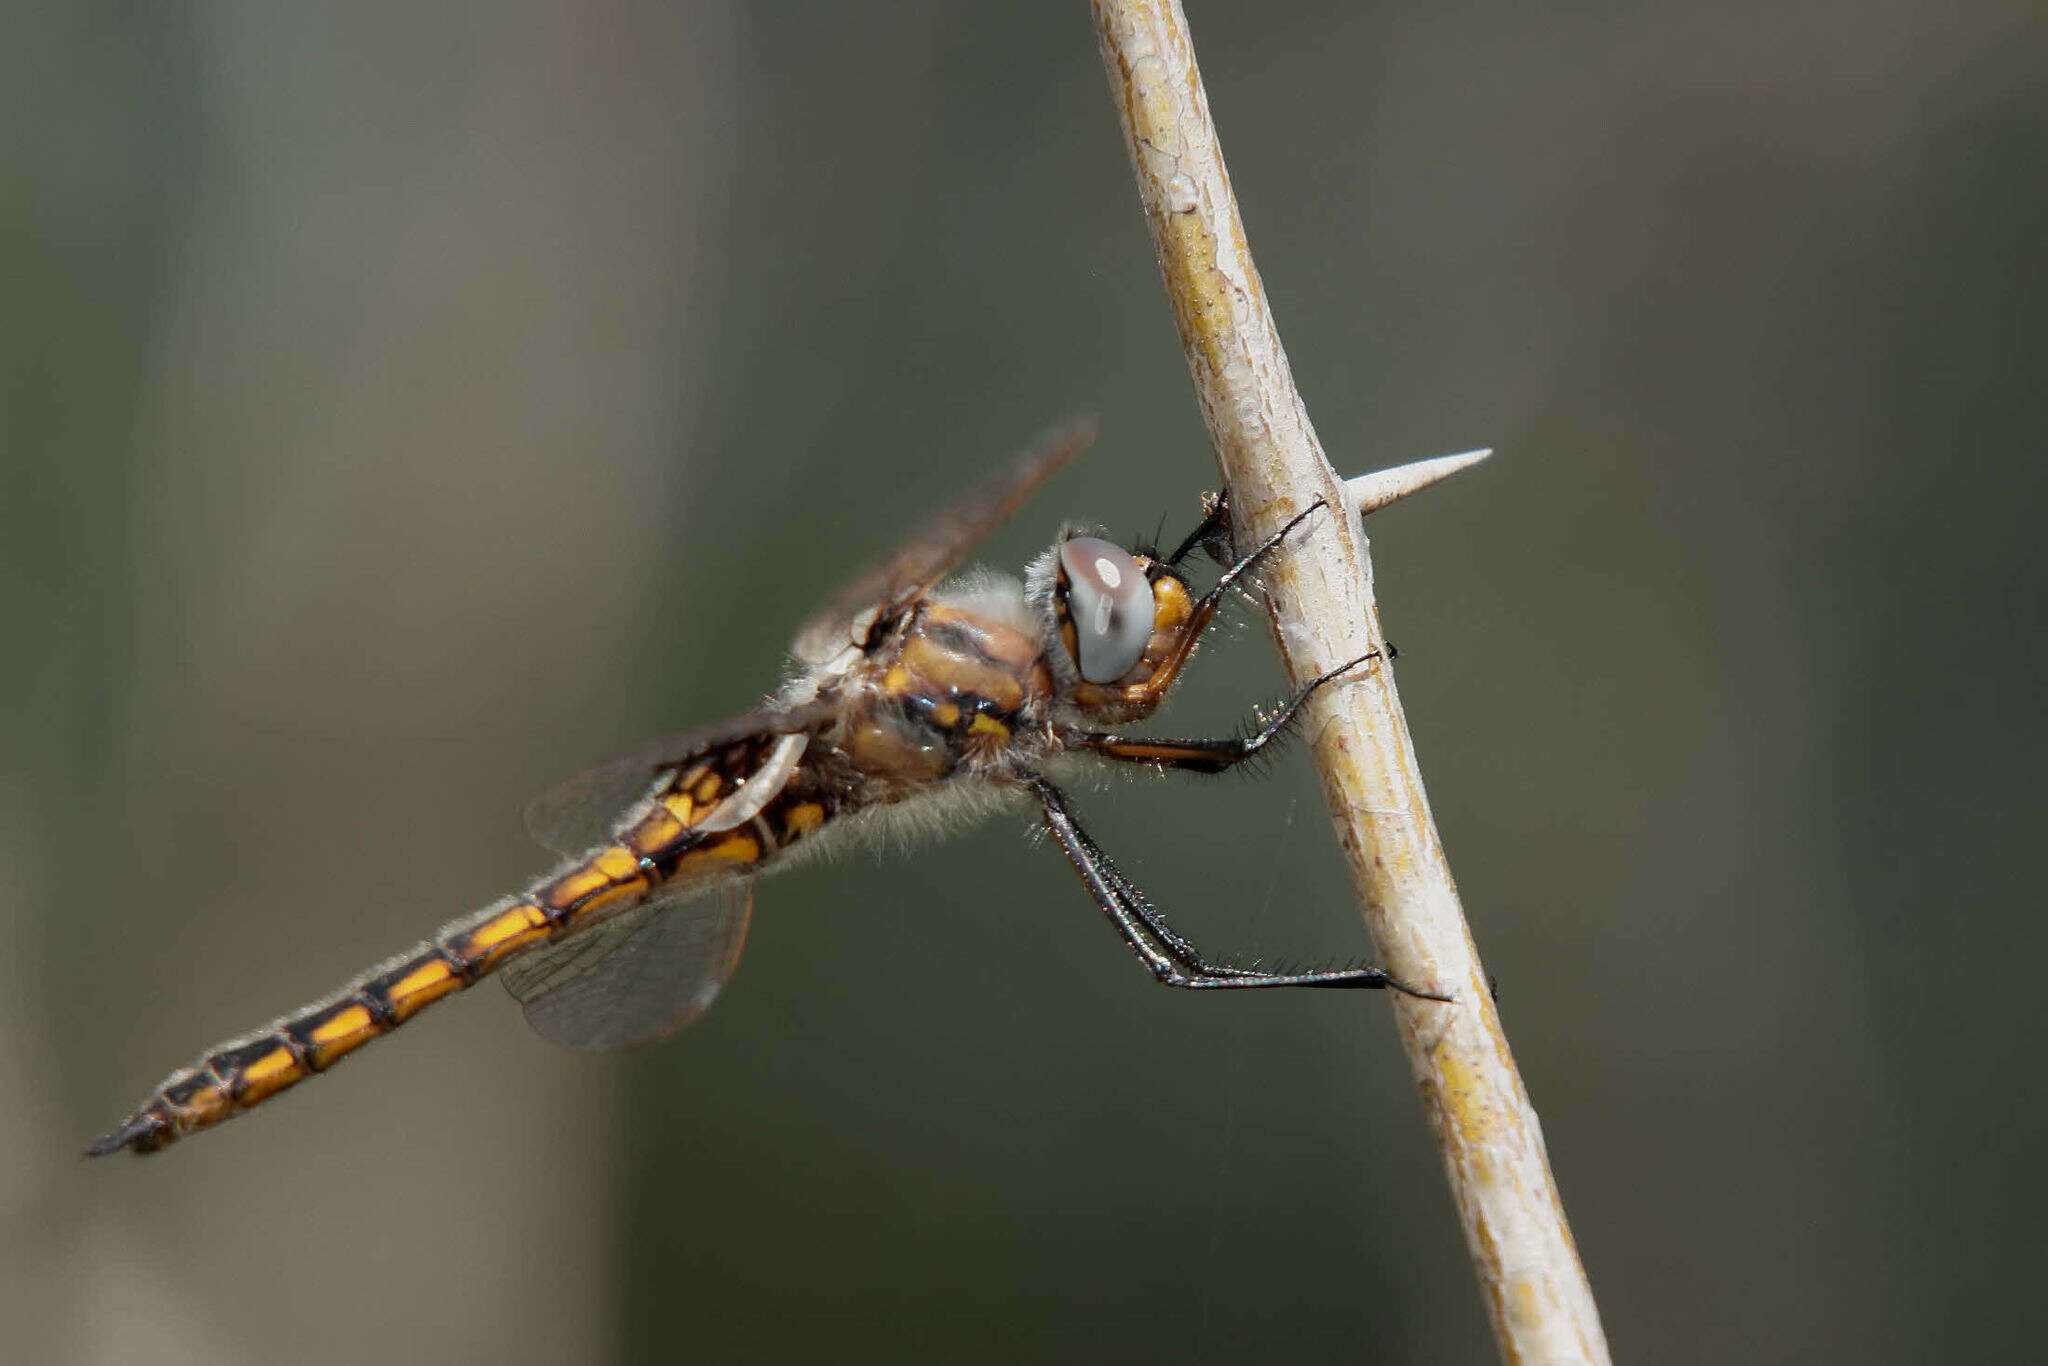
<point x="403" y="405"/>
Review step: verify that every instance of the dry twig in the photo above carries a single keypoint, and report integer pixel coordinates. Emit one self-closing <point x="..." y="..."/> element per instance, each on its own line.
<point x="1324" y="614"/>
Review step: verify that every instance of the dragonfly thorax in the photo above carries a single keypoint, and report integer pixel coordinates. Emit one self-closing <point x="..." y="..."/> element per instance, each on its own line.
<point x="962" y="689"/>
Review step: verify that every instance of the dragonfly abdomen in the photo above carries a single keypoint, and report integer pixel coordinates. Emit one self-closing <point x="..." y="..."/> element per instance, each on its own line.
<point x="243" y="1073"/>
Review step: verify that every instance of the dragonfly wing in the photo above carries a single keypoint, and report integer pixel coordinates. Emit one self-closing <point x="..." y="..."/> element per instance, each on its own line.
<point x="582" y="811"/>
<point x="927" y="557"/>
<point x="639" y="976"/>
<point x="579" y="812"/>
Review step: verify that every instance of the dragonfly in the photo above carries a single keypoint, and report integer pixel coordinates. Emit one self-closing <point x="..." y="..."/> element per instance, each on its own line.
<point x="912" y="696"/>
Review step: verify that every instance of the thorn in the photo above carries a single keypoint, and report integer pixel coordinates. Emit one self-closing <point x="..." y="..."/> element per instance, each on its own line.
<point x="1371" y="492"/>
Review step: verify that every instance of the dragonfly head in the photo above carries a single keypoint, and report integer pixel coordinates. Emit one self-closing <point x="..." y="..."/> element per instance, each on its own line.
<point x="1121" y="617"/>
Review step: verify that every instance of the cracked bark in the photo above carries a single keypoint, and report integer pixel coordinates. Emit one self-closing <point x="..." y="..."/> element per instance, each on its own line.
<point x="1323" y="612"/>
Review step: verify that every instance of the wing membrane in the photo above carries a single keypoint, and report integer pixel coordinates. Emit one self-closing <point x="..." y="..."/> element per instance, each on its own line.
<point x="936" y="549"/>
<point x="582" y="811"/>
<point x="639" y="976"/>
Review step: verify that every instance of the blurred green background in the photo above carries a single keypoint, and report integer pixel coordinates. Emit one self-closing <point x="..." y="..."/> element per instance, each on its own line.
<point x="407" y="404"/>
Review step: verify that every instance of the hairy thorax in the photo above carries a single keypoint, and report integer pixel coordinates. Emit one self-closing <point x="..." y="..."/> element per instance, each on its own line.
<point x="960" y="691"/>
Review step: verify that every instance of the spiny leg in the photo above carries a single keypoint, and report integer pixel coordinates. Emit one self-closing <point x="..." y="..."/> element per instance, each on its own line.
<point x="1135" y="902"/>
<point x="1171" y="958"/>
<point x="1206" y="756"/>
<point x="1153" y="688"/>
<point x="1261" y="551"/>
<point x="1190" y="958"/>
<point x="1211" y="534"/>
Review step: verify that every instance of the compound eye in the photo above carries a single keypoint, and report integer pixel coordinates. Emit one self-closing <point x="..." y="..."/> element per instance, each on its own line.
<point x="1109" y="601"/>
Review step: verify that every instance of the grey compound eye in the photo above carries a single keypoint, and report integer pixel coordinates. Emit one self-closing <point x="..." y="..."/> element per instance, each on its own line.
<point x="1110" y="603"/>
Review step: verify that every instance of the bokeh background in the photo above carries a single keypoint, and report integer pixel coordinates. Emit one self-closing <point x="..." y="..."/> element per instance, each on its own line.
<point x="406" y="404"/>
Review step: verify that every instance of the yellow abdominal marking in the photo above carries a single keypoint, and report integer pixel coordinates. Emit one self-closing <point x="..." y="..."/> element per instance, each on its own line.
<point x="618" y="862"/>
<point x="735" y="846"/>
<point x="428" y="982"/>
<point x="204" y="1107"/>
<point x="623" y="891"/>
<point x="498" y="929"/>
<point x="658" y="828"/>
<point x="341" y="1025"/>
<point x="268" y="1075"/>
<point x="574" y="887"/>
<point x="801" y="820"/>
<point x="503" y="934"/>
<point x="345" y="1030"/>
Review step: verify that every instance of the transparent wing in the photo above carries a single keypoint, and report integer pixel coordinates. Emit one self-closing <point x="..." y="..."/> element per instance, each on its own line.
<point x="582" y="811"/>
<point x="639" y="976"/>
<point x="937" y="548"/>
<point x="579" y="812"/>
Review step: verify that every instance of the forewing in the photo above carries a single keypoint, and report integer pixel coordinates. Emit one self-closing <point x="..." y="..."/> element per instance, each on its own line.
<point x="937" y="548"/>
<point x="639" y="976"/>
<point x="582" y="811"/>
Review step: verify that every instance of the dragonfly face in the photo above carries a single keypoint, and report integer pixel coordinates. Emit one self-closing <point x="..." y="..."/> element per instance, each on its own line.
<point x="905" y="690"/>
<point x="1126" y="625"/>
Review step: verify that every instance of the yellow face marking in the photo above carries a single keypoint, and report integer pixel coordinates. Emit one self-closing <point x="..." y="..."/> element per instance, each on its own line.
<point x="803" y="819"/>
<point x="1170" y="605"/>
<point x="947" y="714"/>
<point x="897" y="680"/>
<point x="425" y="984"/>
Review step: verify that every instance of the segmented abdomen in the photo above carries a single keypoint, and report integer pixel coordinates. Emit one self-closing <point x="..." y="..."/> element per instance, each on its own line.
<point x="659" y="847"/>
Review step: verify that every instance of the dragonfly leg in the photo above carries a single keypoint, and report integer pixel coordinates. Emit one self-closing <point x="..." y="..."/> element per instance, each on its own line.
<point x="1171" y="958"/>
<point x="1211" y="534"/>
<point x="1149" y="692"/>
<point x="1207" y="756"/>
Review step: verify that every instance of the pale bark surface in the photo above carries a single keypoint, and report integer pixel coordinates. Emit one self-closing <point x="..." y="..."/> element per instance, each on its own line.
<point x="1324" y="614"/>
